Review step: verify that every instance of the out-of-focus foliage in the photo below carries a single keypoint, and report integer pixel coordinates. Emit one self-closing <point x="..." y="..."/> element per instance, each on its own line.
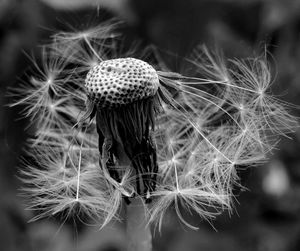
<point x="268" y="219"/>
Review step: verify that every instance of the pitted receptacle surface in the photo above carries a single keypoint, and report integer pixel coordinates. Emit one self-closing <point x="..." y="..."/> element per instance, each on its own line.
<point x="121" y="81"/>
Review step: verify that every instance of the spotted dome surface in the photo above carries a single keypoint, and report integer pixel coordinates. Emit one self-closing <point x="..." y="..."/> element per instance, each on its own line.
<point x="121" y="81"/>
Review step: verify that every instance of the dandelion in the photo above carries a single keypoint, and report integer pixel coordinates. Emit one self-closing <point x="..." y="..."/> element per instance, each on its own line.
<point x="148" y="136"/>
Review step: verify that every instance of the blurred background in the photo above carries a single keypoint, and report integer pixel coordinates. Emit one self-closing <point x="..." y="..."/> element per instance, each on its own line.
<point x="267" y="214"/>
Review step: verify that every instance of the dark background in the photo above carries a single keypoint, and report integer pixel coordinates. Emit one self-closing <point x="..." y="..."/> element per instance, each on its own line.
<point x="266" y="216"/>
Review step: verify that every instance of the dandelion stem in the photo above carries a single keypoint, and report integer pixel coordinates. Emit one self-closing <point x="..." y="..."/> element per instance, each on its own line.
<point x="138" y="233"/>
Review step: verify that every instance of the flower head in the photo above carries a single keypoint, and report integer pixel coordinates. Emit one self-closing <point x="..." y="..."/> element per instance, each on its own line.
<point x="173" y="137"/>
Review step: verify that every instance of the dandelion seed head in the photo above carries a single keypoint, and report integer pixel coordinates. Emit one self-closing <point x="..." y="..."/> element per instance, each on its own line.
<point x="183" y="134"/>
<point x="121" y="81"/>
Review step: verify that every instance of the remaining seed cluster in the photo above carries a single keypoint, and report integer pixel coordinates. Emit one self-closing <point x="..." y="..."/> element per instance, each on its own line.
<point x="121" y="81"/>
